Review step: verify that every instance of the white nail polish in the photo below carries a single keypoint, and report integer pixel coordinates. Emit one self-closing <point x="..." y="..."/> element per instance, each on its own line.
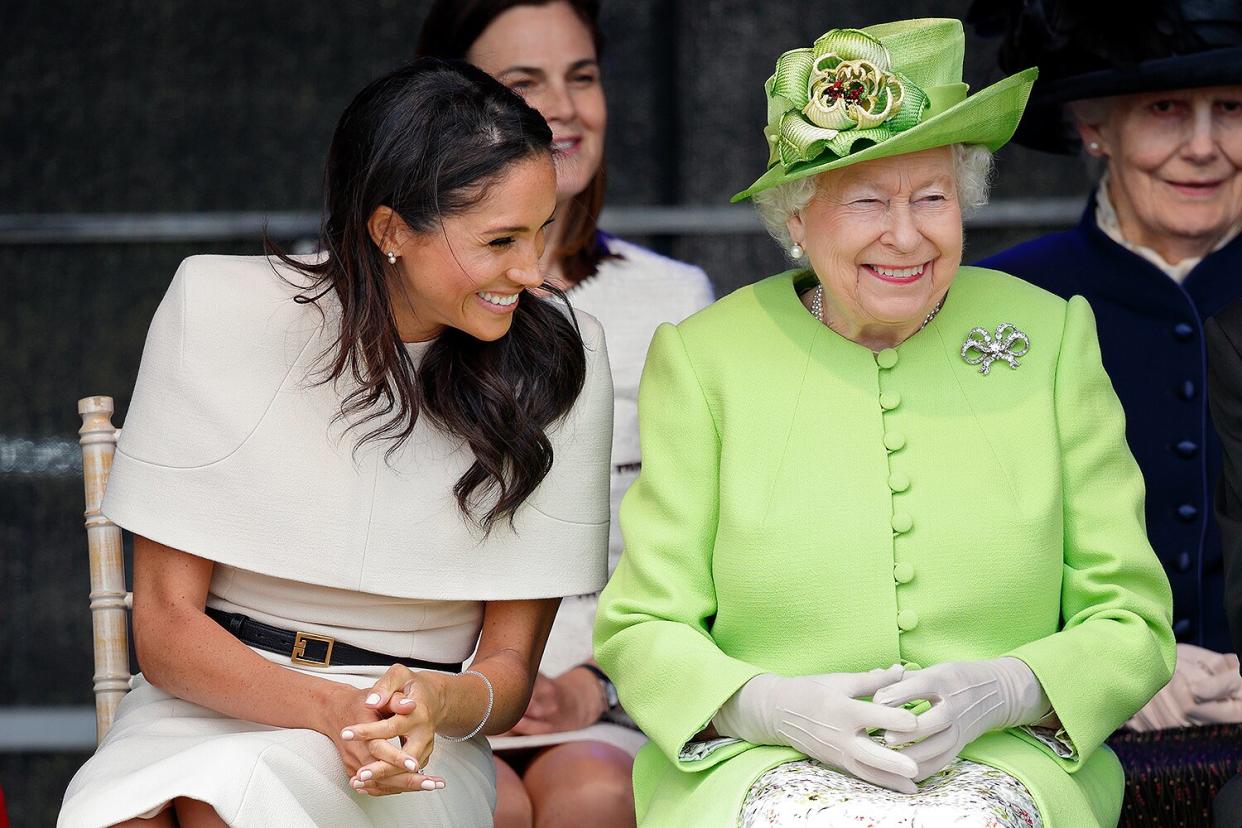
<point x="439" y="785"/>
<point x="365" y="775"/>
<point x="373" y="698"/>
<point x="411" y="766"/>
<point x="347" y="734"/>
<point x="428" y="785"/>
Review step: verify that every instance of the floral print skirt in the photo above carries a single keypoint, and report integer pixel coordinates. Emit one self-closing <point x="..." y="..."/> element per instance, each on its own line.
<point x="966" y="794"/>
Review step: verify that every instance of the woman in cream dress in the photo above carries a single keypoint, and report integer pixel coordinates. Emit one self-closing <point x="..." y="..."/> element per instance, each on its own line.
<point x="385" y="455"/>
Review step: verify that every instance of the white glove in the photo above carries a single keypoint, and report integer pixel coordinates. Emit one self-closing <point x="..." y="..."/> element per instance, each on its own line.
<point x="1218" y="691"/>
<point x="969" y="698"/>
<point x="1205" y="689"/>
<point x="822" y="717"/>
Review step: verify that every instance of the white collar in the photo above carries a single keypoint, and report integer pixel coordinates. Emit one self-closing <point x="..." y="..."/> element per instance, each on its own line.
<point x="1106" y="218"/>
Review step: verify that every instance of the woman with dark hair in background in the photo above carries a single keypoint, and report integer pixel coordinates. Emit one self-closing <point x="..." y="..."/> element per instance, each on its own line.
<point x="390" y="454"/>
<point x="575" y="763"/>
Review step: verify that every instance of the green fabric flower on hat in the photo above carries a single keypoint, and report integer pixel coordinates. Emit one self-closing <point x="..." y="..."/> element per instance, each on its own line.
<point x="838" y="93"/>
<point x="851" y="93"/>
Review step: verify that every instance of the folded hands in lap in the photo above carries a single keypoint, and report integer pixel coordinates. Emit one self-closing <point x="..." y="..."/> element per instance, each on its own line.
<point x="570" y="701"/>
<point x="968" y="699"/>
<point x="828" y="718"/>
<point x="825" y="717"/>
<point x="1206" y="688"/>
<point x="402" y="706"/>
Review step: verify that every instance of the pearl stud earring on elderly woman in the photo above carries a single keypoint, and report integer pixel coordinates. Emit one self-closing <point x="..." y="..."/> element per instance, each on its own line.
<point x="885" y="560"/>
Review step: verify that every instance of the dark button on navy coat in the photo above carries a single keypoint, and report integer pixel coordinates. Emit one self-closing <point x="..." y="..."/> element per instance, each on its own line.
<point x="1151" y="336"/>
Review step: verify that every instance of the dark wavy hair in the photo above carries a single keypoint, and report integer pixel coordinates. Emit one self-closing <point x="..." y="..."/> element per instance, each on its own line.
<point x="428" y="141"/>
<point x="450" y="29"/>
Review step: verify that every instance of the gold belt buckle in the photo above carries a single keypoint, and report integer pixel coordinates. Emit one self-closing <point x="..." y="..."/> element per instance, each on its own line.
<point x="298" y="656"/>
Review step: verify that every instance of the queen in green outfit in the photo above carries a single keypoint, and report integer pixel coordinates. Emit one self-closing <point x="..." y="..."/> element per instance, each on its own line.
<point x="885" y="561"/>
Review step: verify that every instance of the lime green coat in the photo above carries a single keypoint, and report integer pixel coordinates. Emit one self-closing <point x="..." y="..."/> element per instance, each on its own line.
<point x="802" y="509"/>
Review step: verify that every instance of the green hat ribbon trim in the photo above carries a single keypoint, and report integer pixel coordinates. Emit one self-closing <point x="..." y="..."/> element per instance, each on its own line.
<point x="840" y="92"/>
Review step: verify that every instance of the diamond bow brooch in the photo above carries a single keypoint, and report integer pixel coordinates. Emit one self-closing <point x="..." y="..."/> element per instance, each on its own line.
<point x="982" y="348"/>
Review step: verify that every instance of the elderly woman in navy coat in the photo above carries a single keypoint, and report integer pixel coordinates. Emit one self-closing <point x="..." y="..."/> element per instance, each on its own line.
<point x="1158" y="108"/>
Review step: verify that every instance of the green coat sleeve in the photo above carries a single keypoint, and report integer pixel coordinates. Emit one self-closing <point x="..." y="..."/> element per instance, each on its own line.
<point x="1115" y="649"/>
<point x="652" y="628"/>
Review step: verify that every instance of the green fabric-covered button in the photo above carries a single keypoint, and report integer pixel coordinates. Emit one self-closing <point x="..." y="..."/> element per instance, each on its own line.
<point x="889" y="400"/>
<point x="894" y="440"/>
<point x="902" y="522"/>
<point x="912" y="665"/>
<point x="886" y="358"/>
<point x="899" y="481"/>
<point x="907" y="620"/>
<point x="903" y="572"/>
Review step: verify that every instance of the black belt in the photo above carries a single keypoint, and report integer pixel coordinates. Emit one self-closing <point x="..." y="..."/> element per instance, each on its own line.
<point x="311" y="649"/>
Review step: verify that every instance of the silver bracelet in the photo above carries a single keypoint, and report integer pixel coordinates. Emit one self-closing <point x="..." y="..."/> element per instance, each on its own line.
<point x="491" y="697"/>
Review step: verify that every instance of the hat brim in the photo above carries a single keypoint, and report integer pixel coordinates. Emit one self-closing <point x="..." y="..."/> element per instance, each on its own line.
<point x="989" y="117"/>
<point x="1045" y="129"/>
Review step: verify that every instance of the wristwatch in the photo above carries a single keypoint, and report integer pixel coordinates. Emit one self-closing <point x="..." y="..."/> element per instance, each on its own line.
<point x="610" y="690"/>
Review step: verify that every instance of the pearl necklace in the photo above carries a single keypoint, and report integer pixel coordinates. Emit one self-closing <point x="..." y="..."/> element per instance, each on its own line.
<point x="817" y="308"/>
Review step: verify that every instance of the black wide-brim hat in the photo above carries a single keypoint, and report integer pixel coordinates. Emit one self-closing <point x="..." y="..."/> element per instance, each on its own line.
<point x="1088" y="49"/>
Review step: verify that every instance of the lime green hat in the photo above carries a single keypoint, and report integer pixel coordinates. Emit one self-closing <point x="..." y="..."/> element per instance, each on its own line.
<point x="860" y="94"/>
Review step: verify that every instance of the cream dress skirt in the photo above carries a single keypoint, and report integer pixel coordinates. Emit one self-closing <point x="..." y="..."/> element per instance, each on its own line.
<point x="162" y="747"/>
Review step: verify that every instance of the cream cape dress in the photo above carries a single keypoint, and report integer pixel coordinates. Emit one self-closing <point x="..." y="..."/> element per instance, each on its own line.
<point x="229" y="451"/>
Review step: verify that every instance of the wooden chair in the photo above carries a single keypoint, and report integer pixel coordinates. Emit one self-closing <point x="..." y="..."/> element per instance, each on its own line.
<point x="109" y="598"/>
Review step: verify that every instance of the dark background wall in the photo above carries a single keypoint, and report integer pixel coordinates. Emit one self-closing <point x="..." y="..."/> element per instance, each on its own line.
<point x="180" y="107"/>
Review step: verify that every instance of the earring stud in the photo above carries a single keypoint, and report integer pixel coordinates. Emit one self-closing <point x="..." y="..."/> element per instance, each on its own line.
<point x="1094" y="146"/>
<point x="392" y="257"/>
<point x="796" y="252"/>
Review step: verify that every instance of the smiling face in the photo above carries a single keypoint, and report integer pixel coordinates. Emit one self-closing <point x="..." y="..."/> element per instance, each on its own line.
<point x="547" y="55"/>
<point x="469" y="272"/>
<point x="885" y="239"/>
<point x="1173" y="161"/>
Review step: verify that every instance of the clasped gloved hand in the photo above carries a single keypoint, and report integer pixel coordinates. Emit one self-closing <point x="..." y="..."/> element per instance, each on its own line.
<point x="1205" y="689"/>
<point x="968" y="699"/>
<point x="825" y="717"/>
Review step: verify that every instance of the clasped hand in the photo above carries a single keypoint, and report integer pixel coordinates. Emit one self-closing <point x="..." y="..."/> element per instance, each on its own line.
<point x="404" y="706"/>
<point x="827" y="717"/>
<point x="1205" y="689"/>
<point x="968" y="699"/>
<point x="570" y="701"/>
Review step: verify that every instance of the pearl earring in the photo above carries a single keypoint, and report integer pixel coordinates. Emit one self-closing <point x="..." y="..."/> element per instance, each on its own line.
<point x="392" y="257"/>
<point x="1094" y="146"/>
<point x="796" y="252"/>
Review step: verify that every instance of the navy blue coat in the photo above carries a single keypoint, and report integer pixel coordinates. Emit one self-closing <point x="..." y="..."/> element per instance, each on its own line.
<point x="1151" y="336"/>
